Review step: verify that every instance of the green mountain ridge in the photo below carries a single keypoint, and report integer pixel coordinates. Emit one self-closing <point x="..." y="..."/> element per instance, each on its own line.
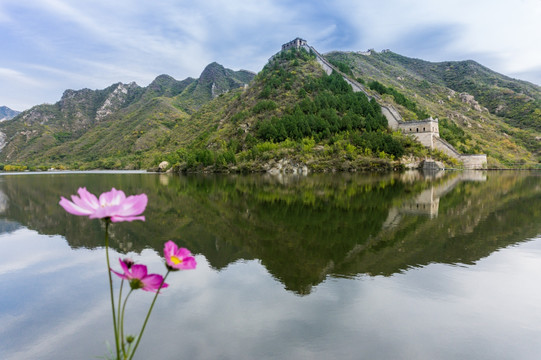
<point x="110" y="128"/>
<point x="291" y="116"/>
<point x="492" y="109"/>
<point x="214" y="80"/>
<point x="167" y="86"/>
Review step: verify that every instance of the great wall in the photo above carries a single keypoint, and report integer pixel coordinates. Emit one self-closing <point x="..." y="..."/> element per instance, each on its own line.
<point x="425" y="131"/>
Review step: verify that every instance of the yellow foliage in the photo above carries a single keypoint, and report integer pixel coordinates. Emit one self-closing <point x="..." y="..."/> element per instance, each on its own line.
<point x="15" y="168"/>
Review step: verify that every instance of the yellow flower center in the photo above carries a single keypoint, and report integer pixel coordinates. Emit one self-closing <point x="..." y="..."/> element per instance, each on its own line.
<point x="175" y="260"/>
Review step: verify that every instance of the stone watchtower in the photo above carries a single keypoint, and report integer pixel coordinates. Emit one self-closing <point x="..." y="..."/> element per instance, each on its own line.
<point x="296" y="43"/>
<point x="424" y="130"/>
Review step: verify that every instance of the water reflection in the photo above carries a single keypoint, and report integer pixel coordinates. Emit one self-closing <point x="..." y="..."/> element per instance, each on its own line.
<point x="302" y="229"/>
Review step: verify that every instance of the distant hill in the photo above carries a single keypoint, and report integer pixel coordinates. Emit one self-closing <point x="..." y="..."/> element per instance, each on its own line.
<point x="98" y="127"/>
<point x="7" y="113"/>
<point x="291" y="116"/>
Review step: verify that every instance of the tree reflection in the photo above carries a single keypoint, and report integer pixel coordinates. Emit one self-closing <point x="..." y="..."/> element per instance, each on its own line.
<point x="302" y="229"/>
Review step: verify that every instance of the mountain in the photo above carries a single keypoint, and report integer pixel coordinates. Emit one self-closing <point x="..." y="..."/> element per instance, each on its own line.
<point x="166" y="86"/>
<point x="34" y="131"/>
<point x="98" y="127"/>
<point x="491" y="109"/>
<point x="7" y="114"/>
<point x="293" y="116"/>
<point x="514" y="100"/>
<point x="213" y="81"/>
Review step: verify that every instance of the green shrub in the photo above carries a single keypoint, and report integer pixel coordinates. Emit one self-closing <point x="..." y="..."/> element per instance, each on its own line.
<point x="264" y="105"/>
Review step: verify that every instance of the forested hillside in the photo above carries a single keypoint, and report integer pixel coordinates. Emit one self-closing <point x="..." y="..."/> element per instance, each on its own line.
<point x="295" y="116"/>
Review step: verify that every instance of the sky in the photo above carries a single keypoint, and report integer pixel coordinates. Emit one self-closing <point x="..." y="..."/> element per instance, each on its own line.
<point x="48" y="46"/>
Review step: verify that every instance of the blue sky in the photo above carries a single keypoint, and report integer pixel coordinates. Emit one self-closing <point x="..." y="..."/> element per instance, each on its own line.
<point x="49" y="46"/>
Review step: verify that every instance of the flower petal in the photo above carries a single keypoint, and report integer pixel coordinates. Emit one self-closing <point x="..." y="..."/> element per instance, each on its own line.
<point x="183" y="252"/>
<point x="187" y="263"/>
<point x="73" y="208"/>
<point x="152" y="282"/>
<point x="169" y="248"/>
<point x="133" y="205"/>
<point x="124" y="265"/>
<point x="104" y="212"/>
<point x="88" y="198"/>
<point x="120" y="275"/>
<point x="113" y="197"/>
<point x="139" y="271"/>
<point x="82" y="203"/>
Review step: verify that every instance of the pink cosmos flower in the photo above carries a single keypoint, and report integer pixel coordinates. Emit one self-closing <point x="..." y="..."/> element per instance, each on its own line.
<point x="139" y="278"/>
<point x="178" y="258"/>
<point x="112" y="204"/>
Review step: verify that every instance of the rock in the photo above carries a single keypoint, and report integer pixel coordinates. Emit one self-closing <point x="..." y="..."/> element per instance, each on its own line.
<point x="499" y="108"/>
<point x="285" y="166"/>
<point x="466" y="121"/>
<point x="163" y="166"/>
<point x="411" y="162"/>
<point x="3" y="140"/>
<point x="245" y="127"/>
<point x="470" y="100"/>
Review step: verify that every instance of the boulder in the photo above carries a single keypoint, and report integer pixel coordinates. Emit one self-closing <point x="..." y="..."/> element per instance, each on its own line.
<point x="164" y="165"/>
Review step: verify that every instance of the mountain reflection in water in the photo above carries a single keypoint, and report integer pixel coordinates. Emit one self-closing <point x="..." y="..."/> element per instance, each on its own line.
<point x="302" y="229"/>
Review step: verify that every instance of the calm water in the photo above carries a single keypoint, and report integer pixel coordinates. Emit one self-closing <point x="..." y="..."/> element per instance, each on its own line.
<point x="318" y="267"/>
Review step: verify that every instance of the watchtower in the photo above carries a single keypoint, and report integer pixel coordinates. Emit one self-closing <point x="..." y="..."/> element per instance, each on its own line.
<point x="296" y="43"/>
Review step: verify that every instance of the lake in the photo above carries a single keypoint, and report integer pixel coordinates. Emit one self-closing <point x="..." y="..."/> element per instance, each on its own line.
<point x="326" y="266"/>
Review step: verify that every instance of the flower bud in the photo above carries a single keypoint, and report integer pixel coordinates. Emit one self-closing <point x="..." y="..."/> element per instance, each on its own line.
<point x="129" y="262"/>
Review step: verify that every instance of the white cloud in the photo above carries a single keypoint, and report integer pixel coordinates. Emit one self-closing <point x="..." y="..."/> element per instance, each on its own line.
<point x="8" y="75"/>
<point x="503" y="34"/>
<point x="94" y="44"/>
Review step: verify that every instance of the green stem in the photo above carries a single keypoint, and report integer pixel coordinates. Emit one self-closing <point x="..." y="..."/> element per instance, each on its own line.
<point x="148" y="315"/>
<point x="120" y="321"/>
<point x="121" y="324"/>
<point x="107" y="222"/>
